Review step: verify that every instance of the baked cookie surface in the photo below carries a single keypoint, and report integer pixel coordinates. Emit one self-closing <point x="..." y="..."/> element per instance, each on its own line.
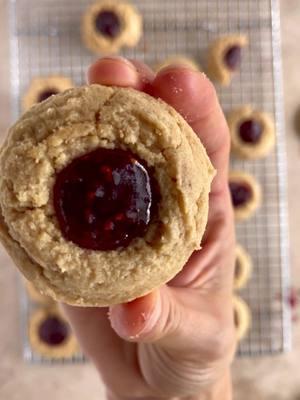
<point x="225" y="57"/>
<point x="41" y="88"/>
<point x="109" y="25"/>
<point x="245" y="194"/>
<point x="252" y="132"/>
<point x="49" y="140"/>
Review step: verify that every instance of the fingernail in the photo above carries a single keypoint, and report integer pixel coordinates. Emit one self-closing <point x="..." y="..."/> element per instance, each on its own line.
<point x="118" y="58"/>
<point x="171" y="67"/>
<point x="151" y="319"/>
<point x="132" y="326"/>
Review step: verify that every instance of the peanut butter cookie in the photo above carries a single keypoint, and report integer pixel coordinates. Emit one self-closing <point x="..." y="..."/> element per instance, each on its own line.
<point x="50" y="335"/>
<point x="43" y="87"/>
<point x="36" y="296"/>
<point x="243" y="267"/>
<point x="252" y="132"/>
<point x="245" y="194"/>
<point x="225" y="56"/>
<point x="109" y="25"/>
<point x="103" y="194"/>
<point x="242" y="317"/>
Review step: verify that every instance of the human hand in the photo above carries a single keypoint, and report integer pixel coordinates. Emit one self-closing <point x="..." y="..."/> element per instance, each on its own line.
<point x="178" y="341"/>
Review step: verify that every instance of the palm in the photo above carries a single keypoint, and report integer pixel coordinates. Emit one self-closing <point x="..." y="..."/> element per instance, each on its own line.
<point x="193" y="339"/>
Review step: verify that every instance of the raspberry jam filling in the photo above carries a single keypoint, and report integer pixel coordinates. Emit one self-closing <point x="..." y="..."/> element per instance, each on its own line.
<point x="105" y="199"/>
<point x="108" y="24"/>
<point x="241" y="193"/>
<point x="233" y="57"/>
<point x="251" y="131"/>
<point x="46" y="93"/>
<point x="53" y="331"/>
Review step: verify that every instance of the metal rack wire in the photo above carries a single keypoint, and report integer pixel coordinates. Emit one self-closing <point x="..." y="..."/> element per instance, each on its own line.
<point x="45" y="39"/>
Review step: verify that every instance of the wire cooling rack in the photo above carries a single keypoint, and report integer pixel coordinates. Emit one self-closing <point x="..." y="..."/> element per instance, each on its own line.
<point x="45" y="39"/>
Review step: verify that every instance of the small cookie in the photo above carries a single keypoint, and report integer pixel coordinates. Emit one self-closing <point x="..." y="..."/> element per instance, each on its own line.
<point x="36" y="296"/>
<point x="178" y="60"/>
<point x="225" y="56"/>
<point x="245" y="194"/>
<point x="42" y="88"/>
<point x="50" y="335"/>
<point x="252" y="132"/>
<point x="242" y="317"/>
<point x="243" y="267"/>
<point x="98" y="185"/>
<point x="109" y="25"/>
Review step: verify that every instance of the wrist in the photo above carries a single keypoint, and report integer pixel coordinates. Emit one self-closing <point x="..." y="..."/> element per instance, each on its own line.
<point x="221" y="390"/>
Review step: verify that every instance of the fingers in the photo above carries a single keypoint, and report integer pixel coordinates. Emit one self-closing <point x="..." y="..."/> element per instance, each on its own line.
<point x="144" y="71"/>
<point x="87" y="323"/>
<point x="115" y="361"/>
<point x="160" y="317"/>
<point x="212" y="267"/>
<point x="118" y="71"/>
<point x="137" y="319"/>
<point x="177" y="330"/>
<point x="194" y="97"/>
<point x="188" y="91"/>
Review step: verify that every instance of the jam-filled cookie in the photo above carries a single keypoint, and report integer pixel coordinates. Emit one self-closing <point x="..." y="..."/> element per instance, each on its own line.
<point x="252" y="132"/>
<point x="178" y="60"/>
<point x="43" y="87"/>
<point x="109" y="25"/>
<point x="103" y="194"/>
<point x="36" y="296"/>
<point x="225" y="57"/>
<point x="245" y="194"/>
<point x="242" y="317"/>
<point x="50" y="335"/>
<point x="243" y="267"/>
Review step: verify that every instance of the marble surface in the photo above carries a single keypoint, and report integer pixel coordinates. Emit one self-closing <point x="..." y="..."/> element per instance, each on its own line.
<point x="268" y="378"/>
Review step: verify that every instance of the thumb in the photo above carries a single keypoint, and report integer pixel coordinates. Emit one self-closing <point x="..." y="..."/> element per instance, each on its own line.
<point x="146" y="319"/>
<point x="178" y="319"/>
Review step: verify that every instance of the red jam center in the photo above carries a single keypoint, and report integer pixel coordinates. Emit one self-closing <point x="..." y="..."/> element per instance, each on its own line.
<point x="46" y="93"/>
<point x="251" y="131"/>
<point x="104" y="199"/>
<point x="233" y="57"/>
<point x="241" y="193"/>
<point x="53" y="331"/>
<point x="108" y="24"/>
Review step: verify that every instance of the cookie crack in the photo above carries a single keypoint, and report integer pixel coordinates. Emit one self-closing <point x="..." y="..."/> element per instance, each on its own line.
<point x="98" y="112"/>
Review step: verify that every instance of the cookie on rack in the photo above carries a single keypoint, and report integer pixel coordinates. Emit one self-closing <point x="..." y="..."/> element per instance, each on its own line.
<point x="225" y="57"/>
<point x="41" y="88"/>
<point x="242" y="317"/>
<point x="178" y="60"/>
<point x="243" y="267"/>
<point x="36" y="296"/>
<point x="245" y="194"/>
<point x="98" y="185"/>
<point x="50" y="335"/>
<point x="252" y="132"/>
<point x="109" y="25"/>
